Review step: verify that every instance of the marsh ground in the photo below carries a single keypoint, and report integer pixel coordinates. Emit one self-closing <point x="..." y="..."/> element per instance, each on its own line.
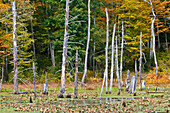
<point x="88" y="100"/>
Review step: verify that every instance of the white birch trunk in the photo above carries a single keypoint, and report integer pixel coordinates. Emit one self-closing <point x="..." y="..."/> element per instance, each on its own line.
<point x="112" y="64"/>
<point x="15" y="48"/>
<point x="106" y="49"/>
<point x="62" y="89"/>
<point x="117" y="67"/>
<point x="121" y="58"/>
<point x="76" y="78"/>
<point x="35" y="93"/>
<point x="140" y="61"/>
<point x="87" y="47"/>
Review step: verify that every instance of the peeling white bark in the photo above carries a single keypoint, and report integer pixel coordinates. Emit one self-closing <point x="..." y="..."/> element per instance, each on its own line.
<point x="62" y="89"/>
<point x="15" y="48"/>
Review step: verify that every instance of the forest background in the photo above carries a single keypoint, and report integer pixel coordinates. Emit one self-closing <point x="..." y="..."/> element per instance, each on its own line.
<point x="40" y="36"/>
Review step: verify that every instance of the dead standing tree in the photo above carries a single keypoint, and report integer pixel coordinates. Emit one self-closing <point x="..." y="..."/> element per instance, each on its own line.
<point x="76" y="74"/>
<point x="121" y="58"/>
<point x="112" y="64"/>
<point x="140" y="61"/>
<point x="153" y="34"/>
<point x="116" y="62"/>
<point x="64" y="59"/>
<point x="106" y="50"/>
<point x="15" y="48"/>
<point x="87" y="47"/>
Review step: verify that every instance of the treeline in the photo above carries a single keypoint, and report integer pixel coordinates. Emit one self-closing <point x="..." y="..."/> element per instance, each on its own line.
<point x="40" y="28"/>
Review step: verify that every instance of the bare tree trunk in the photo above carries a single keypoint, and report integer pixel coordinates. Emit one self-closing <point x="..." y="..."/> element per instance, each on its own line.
<point x="2" y="74"/>
<point x="76" y="74"/>
<point x="52" y="53"/>
<point x="106" y="49"/>
<point x="117" y="68"/>
<point x="128" y="80"/>
<point x="140" y="64"/>
<point x="15" y="48"/>
<point x="35" y="93"/>
<point x="104" y="77"/>
<point x="51" y="43"/>
<point x="121" y="58"/>
<point x="87" y="47"/>
<point x="112" y="64"/>
<point x="136" y="73"/>
<point x="62" y="89"/>
<point x="151" y="46"/>
<point x="153" y="35"/>
<point x="45" y="85"/>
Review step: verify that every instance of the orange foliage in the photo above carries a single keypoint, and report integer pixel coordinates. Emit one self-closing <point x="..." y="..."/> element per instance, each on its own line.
<point x="4" y="40"/>
<point x="161" y="79"/>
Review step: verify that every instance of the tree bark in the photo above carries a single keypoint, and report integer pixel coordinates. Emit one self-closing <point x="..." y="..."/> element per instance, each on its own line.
<point x="15" y="48"/>
<point x="87" y="47"/>
<point x="106" y="49"/>
<point x="104" y="77"/>
<point x="121" y="58"/>
<point x="140" y="64"/>
<point x="153" y="35"/>
<point x="62" y="89"/>
<point x="117" y="68"/>
<point x="128" y="80"/>
<point x="76" y="78"/>
<point x="136" y="73"/>
<point x="112" y="64"/>
<point x="35" y="93"/>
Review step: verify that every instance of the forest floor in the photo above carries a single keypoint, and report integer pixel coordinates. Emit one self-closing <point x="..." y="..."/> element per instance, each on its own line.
<point x="88" y="99"/>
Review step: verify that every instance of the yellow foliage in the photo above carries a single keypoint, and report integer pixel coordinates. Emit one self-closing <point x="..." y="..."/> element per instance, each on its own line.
<point x="162" y="78"/>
